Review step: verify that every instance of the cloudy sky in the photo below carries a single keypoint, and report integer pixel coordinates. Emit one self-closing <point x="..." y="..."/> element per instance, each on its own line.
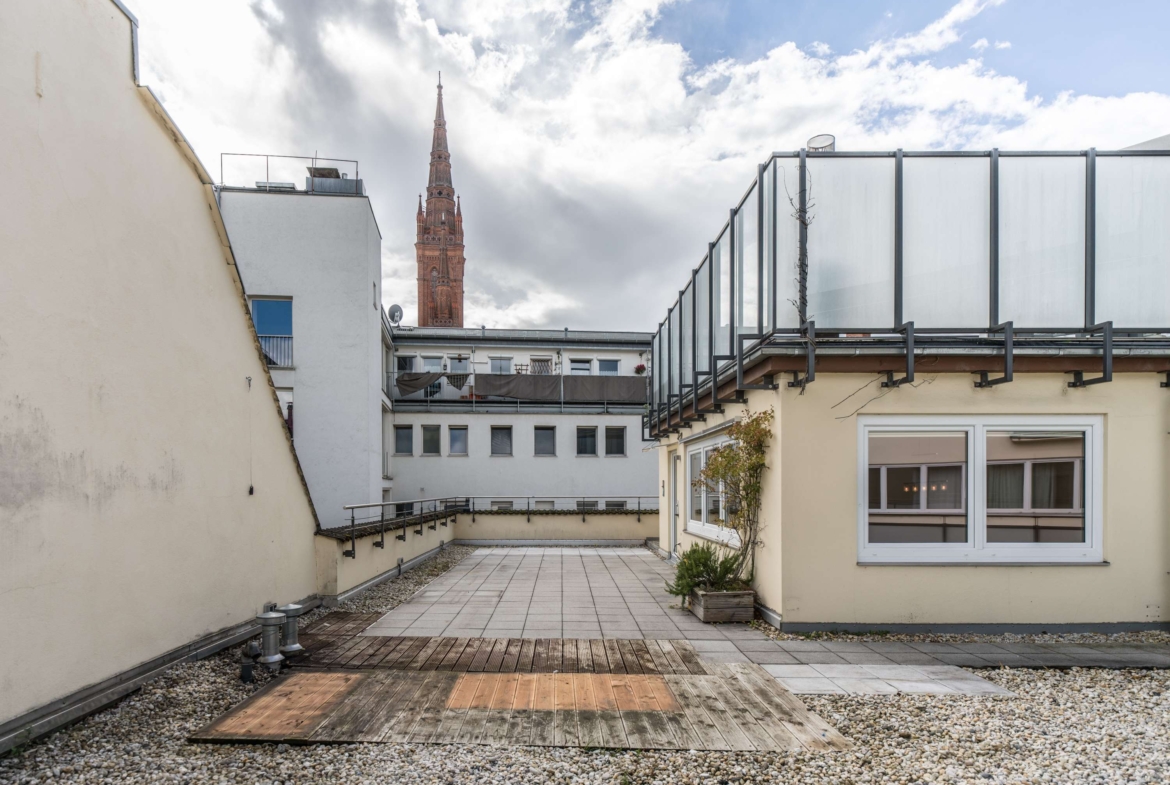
<point x="597" y="144"/>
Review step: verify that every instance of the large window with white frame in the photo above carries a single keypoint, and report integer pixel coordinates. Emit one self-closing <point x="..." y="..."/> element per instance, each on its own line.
<point x="705" y="502"/>
<point x="980" y="489"/>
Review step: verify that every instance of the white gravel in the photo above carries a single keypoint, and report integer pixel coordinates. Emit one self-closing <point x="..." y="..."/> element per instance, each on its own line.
<point x="1073" y="726"/>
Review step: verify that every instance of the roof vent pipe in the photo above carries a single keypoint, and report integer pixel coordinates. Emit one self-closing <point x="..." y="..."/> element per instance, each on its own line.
<point x="270" y="624"/>
<point x="291" y="644"/>
<point x="822" y="143"/>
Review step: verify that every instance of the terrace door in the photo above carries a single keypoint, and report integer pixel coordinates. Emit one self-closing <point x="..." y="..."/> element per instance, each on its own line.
<point x="674" y="464"/>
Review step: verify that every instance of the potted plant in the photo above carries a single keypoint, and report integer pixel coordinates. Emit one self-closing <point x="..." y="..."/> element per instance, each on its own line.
<point x="716" y="578"/>
<point x="640" y="368"/>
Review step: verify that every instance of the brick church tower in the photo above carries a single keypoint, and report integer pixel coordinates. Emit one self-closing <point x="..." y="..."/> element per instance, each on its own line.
<point x="439" y="243"/>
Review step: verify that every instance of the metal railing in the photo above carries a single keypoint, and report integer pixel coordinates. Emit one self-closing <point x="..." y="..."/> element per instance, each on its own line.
<point x="278" y="350"/>
<point x="429" y="514"/>
<point x="441" y="395"/>
<point x="282" y="172"/>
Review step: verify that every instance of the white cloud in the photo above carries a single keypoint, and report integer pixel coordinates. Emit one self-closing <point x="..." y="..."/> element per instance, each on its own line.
<point x="595" y="159"/>
<point x="980" y="45"/>
<point x="1003" y="44"/>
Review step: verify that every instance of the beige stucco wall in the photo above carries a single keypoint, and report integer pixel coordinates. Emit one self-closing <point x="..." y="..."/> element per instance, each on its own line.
<point x="337" y="573"/>
<point x="606" y="526"/>
<point x="129" y="435"/>
<point x="811" y="497"/>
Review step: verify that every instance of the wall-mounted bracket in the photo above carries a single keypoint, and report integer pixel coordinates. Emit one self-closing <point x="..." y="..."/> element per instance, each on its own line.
<point x="419" y="530"/>
<point x="809" y="331"/>
<point x="768" y="384"/>
<point x="1008" y="357"/>
<point x="1167" y="382"/>
<point x="401" y="536"/>
<point x="907" y="330"/>
<point x="1106" y="330"/>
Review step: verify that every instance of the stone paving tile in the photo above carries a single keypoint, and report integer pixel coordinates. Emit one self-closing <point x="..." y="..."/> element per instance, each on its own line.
<point x="866" y="686"/>
<point x="709" y="646"/>
<point x="811" y="686"/>
<point x="792" y="671"/>
<point x="776" y="657"/>
<point x="924" y="686"/>
<point x="817" y="657"/>
<point x="724" y="656"/>
<point x="865" y="658"/>
<point x="760" y="645"/>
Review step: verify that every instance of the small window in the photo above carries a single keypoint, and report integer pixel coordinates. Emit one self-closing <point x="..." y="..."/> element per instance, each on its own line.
<point x="501" y="440"/>
<point x="501" y="504"/>
<point x="458" y="438"/>
<point x="580" y="367"/>
<point x="431" y="438"/>
<point x="545" y="438"/>
<point x="586" y="441"/>
<point x="544" y="504"/>
<point x="501" y="365"/>
<point x="607" y="367"/>
<point x="404" y="440"/>
<point x="404" y="364"/>
<point x="615" y="505"/>
<point x="433" y="365"/>
<point x="586" y="504"/>
<point x="272" y="317"/>
<point x="541" y="366"/>
<point x="460" y="364"/>
<point x="615" y="440"/>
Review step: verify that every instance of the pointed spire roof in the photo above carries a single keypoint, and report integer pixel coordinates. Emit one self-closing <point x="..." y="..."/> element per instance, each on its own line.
<point x="439" y="143"/>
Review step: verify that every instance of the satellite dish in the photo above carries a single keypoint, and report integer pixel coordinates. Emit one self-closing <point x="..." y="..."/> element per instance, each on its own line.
<point x="395" y="314"/>
<point x="823" y="143"/>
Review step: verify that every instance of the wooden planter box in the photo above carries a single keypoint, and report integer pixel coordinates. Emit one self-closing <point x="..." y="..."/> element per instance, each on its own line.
<point x="723" y="605"/>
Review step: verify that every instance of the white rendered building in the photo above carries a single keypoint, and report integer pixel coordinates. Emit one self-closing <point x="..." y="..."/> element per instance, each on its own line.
<point x="311" y="265"/>
<point x="549" y="418"/>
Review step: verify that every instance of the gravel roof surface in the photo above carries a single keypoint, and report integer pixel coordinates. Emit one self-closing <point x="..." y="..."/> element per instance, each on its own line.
<point x="1143" y="636"/>
<point x="1073" y="726"/>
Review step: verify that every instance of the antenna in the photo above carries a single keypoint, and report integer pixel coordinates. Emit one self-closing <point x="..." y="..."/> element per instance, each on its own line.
<point x="395" y="314"/>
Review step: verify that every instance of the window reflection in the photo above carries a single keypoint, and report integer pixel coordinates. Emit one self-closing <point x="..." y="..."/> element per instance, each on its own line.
<point x="1035" y="486"/>
<point x="917" y="487"/>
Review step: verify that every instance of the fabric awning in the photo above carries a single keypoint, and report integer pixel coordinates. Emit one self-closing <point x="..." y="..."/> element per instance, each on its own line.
<point x="413" y="382"/>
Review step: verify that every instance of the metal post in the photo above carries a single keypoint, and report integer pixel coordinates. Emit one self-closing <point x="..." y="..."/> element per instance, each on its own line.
<point x="639" y="509"/>
<point x="352" y="552"/>
<point x="694" y="343"/>
<point x="993" y="261"/>
<point x="1090" y="236"/>
<point x="898" y="236"/>
<point x="711" y="350"/>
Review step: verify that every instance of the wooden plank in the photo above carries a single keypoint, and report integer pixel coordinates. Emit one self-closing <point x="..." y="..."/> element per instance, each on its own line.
<point x="472" y="648"/>
<point x="600" y="656"/>
<point x="812" y="731"/>
<point x="355" y="652"/>
<point x="675" y="718"/>
<point x="743" y="717"/>
<point x="661" y="662"/>
<point x="398" y="719"/>
<point x="495" y="730"/>
<point x="552" y="662"/>
<point x="677" y="666"/>
<point x="463" y="692"/>
<point x="584" y="656"/>
<point x="589" y="730"/>
<point x="453" y="654"/>
<point x="782" y="737"/>
<point x="352" y="717"/>
<point x="687" y="654"/>
<point x="629" y="657"/>
<point x="638" y="731"/>
<point x="480" y="708"/>
<point x="527" y="652"/>
<point x="481" y="657"/>
<point x="613" y="731"/>
<point x="375" y="654"/>
<point x="511" y="656"/>
<point x="653" y="717"/>
<point x="292" y="709"/>
<point x="540" y="656"/>
<point x="387" y="652"/>
<point x="543" y="727"/>
<point x="642" y="652"/>
<point x="401" y="656"/>
<point x="614" y="656"/>
<point x="569" y="655"/>
<point x="519" y="732"/>
<point x="700" y="721"/>
<point x="720" y="715"/>
<point x="328" y="656"/>
<point x="564" y="711"/>
<point x="496" y="659"/>
<point x="436" y="659"/>
<point x="424" y="654"/>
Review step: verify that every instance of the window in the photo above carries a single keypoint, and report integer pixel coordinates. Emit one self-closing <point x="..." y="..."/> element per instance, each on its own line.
<point x="501" y="364"/>
<point x="580" y="367"/>
<point x="542" y="366"/>
<point x="404" y="440"/>
<point x="586" y="504"/>
<point x="501" y="440"/>
<point x="273" y="320"/>
<point x="586" y="441"/>
<point x="460" y="364"/>
<point x="431" y="438"/>
<point x="705" y="513"/>
<point x="607" y="367"/>
<point x="457" y="434"/>
<point x="980" y="489"/>
<point x="615" y="505"/>
<point x="499" y="504"/>
<point x="433" y="365"/>
<point x="544" y="504"/>
<point x="615" y="440"/>
<point x="404" y="364"/>
<point x="545" y="440"/>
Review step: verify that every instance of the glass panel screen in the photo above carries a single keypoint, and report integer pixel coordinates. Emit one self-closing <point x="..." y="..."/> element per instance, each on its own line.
<point x="769" y="222"/>
<point x="921" y="493"/>
<point x="946" y="241"/>
<point x="851" y="242"/>
<point x="1133" y="241"/>
<point x="1035" y="486"/>
<point x="685" y="338"/>
<point x="696" y="488"/>
<point x="702" y="318"/>
<point x="747" y="264"/>
<point x="787" y="243"/>
<point x="722" y="296"/>
<point x="674" y="352"/>
<point x="1042" y="241"/>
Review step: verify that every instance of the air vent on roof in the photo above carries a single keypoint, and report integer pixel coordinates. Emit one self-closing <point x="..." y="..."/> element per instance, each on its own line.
<point x="324" y="171"/>
<point x="823" y="143"/>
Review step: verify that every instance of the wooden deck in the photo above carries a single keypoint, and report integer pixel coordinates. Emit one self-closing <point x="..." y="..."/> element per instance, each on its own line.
<point x="727" y="707"/>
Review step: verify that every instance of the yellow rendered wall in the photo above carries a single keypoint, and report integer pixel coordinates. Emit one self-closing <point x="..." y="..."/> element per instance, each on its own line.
<point x="606" y="526"/>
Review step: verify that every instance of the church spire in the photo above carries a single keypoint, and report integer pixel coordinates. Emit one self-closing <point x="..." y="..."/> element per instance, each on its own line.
<point x="439" y="246"/>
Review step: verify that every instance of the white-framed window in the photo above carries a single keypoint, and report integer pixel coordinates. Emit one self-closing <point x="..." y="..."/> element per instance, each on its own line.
<point x="586" y="440"/>
<point x="544" y="504"/>
<point x="404" y="440"/>
<point x="457" y="436"/>
<point x="612" y="504"/>
<point x="580" y="367"/>
<point x="705" y="503"/>
<point x="615" y="440"/>
<point x="541" y="366"/>
<point x="501" y="504"/>
<point x="500" y="364"/>
<point x="459" y="363"/>
<point x="501" y="441"/>
<point x="980" y="489"/>
<point x="608" y="367"/>
<point x="544" y="438"/>
<point x="586" y="504"/>
<point x="431" y="436"/>
<point x="404" y="363"/>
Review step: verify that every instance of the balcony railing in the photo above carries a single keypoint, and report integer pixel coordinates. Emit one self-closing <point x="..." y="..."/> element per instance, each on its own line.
<point x="970" y="249"/>
<point x="278" y="350"/>
<point x="474" y="391"/>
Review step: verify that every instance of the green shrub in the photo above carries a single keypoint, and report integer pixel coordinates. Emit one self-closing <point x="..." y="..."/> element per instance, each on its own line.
<point x="703" y="566"/>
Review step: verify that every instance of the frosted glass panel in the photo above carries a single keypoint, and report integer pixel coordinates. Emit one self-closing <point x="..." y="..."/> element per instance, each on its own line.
<point x="769" y="222"/>
<point x="747" y="264"/>
<point x="684" y="338"/>
<point x="946" y="240"/>
<point x="702" y="316"/>
<point x="787" y="244"/>
<point x="720" y="257"/>
<point x="1042" y="241"/>
<point x="673" y="333"/>
<point x="1133" y="241"/>
<point x="851" y="242"/>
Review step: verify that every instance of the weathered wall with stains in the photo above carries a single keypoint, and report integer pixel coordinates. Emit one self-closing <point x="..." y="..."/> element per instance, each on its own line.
<point x="129" y="432"/>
